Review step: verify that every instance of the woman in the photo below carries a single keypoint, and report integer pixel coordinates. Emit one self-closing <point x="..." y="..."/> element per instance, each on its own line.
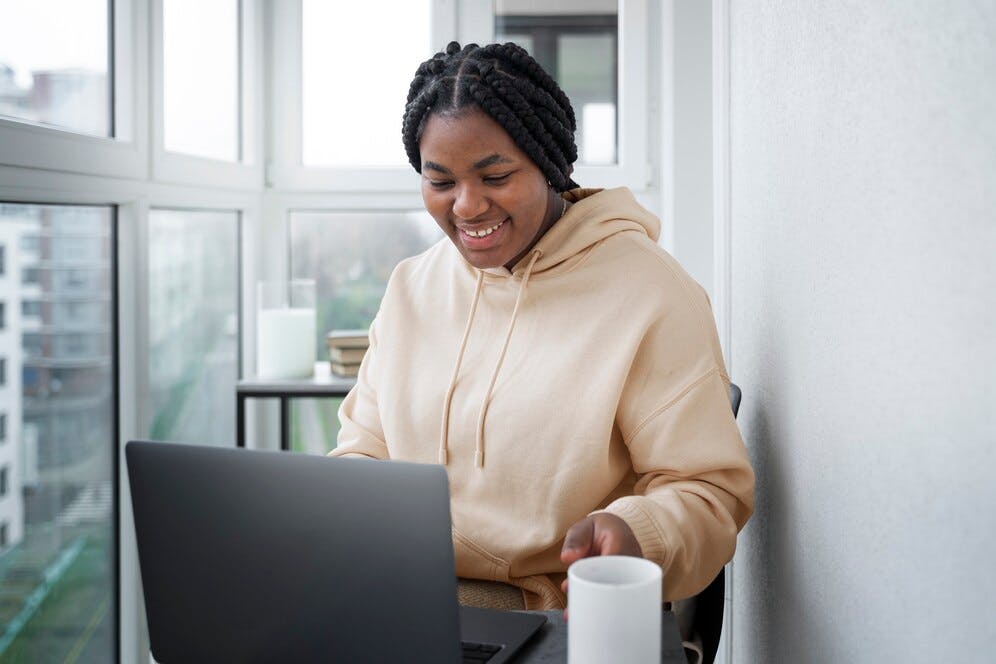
<point x="562" y="366"/>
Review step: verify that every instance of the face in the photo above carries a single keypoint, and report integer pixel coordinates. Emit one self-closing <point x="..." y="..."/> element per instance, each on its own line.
<point x="484" y="192"/>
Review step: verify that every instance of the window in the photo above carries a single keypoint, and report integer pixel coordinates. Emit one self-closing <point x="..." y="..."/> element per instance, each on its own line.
<point x="201" y="73"/>
<point x="55" y="64"/>
<point x="3" y="481"/>
<point x="31" y="309"/>
<point x="3" y="315"/>
<point x="351" y="274"/>
<point x="3" y="260"/>
<point x="339" y="65"/>
<point x="69" y="448"/>
<point x="31" y="275"/>
<point x="3" y="371"/>
<point x="3" y="536"/>
<point x="580" y="50"/>
<point x="193" y="307"/>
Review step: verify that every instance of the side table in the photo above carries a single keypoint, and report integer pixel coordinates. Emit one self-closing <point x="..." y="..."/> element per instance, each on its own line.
<point x="321" y="384"/>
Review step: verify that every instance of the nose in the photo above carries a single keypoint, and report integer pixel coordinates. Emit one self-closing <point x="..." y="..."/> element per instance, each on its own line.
<point x="469" y="202"/>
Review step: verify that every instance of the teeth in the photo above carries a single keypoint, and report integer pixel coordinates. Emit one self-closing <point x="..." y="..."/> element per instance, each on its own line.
<point x="486" y="231"/>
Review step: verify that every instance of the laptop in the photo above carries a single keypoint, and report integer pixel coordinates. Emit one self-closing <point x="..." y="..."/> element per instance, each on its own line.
<point x="258" y="556"/>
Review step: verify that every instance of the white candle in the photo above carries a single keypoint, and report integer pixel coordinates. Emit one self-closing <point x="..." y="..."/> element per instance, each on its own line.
<point x="286" y="343"/>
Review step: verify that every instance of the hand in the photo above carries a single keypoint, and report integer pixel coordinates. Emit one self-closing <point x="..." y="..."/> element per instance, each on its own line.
<point x="601" y="534"/>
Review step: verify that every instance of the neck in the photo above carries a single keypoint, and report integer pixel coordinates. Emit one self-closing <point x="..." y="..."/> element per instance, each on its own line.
<point x="556" y="206"/>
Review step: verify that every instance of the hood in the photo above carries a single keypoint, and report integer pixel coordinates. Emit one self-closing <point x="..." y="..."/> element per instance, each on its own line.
<point x="594" y="214"/>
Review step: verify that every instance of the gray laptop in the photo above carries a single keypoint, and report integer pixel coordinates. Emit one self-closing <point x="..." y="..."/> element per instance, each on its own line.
<point x="252" y="556"/>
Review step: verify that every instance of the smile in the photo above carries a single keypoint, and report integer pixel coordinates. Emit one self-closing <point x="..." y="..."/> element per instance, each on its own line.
<point x="483" y="232"/>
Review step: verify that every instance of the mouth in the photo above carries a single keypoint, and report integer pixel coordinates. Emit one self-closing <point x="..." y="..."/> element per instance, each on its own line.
<point x="483" y="238"/>
<point x="483" y="232"/>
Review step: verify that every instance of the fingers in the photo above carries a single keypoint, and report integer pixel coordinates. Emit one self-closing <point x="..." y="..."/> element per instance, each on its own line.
<point x="614" y="537"/>
<point x="579" y="541"/>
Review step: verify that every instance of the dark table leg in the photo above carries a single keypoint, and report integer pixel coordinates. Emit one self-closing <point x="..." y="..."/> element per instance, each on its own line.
<point x="240" y="420"/>
<point x="284" y="424"/>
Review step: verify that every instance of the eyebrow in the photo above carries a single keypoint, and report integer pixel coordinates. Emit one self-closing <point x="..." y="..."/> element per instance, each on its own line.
<point x="490" y="160"/>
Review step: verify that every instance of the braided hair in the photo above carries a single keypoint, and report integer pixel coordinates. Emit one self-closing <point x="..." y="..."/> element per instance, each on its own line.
<point x="510" y="86"/>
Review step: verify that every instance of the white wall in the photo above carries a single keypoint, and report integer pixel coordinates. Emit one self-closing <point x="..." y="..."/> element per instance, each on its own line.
<point x="691" y="139"/>
<point x="863" y="172"/>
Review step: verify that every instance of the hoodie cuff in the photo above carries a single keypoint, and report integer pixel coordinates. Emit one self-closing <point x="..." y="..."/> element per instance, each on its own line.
<point x="651" y="540"/>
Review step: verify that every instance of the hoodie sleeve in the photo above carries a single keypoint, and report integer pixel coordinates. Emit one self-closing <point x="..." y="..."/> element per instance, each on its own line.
<point x="695" y="487"/>
<point x="361" y="433"/>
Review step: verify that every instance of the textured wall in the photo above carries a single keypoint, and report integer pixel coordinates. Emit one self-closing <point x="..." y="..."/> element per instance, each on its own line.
<point x="864" y="328"/>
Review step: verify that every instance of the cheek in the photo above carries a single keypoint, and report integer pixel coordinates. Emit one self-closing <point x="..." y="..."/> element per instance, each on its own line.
<point x="434" y="204"/>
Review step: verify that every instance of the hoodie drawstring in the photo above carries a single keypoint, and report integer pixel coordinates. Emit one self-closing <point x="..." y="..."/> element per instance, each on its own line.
<point x="447" y="400"/>
<point x="444" y="436"/>
<point x="479" y="447"/>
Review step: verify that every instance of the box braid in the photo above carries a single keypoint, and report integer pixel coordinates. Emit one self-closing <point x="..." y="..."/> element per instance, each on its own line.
<point x="510" y="86"/>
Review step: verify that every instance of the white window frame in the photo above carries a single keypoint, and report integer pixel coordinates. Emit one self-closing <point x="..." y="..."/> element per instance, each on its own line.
<point x="286" y="170"/>
<point x="247" y="173"/>
<point x="633" y="168"/>
<point x="33" y="145"/>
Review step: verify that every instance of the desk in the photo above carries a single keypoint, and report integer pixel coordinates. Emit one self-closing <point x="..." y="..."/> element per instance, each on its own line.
<point x="321" y="384"/>
<point x="550" y="643"/>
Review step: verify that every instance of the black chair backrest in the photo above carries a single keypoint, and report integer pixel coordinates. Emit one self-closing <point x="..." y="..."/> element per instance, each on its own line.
<point x="709" y="604"/>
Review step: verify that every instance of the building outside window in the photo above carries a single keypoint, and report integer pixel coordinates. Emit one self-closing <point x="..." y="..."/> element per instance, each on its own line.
<point x="58" y="411"/>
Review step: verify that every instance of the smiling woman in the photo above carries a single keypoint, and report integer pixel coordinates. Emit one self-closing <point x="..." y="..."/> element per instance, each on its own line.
<point x="563" y="368"/>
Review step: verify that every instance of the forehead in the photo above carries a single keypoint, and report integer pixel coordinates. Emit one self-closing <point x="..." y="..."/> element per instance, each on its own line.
<point x="461" y="140"/>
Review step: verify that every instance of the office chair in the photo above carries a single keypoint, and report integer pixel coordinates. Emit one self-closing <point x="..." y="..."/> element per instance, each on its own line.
<point x="702" y="615"/>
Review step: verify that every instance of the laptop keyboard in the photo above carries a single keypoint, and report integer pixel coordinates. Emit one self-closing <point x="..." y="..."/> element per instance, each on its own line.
<point x="475" y="653"/>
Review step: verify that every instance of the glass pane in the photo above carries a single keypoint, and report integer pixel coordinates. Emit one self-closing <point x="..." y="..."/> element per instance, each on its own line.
<point x="578" y="47"/>
<point x="201" y="78"/>
<point x="314" y="425"/>
<point x="193" y="325"/>
<point x="350" y="255"/>
<point x="57" y="588"/>
<point x="356" y="69"/>
<point x="54" y="63"/>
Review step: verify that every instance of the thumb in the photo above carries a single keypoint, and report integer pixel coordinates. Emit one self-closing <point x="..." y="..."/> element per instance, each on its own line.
<point x="578" y="541"/>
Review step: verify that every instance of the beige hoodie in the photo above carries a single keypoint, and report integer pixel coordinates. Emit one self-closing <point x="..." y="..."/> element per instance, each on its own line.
<point x="589" y="378"/>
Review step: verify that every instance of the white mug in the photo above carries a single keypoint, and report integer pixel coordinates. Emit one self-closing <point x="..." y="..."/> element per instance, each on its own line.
<point x="613" y="611"/>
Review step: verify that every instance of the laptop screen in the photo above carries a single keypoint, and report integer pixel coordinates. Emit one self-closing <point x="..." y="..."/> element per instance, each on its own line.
<point x="270" y="556"/>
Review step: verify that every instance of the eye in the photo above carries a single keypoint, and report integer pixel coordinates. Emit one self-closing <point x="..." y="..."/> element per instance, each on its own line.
<point x="497" y="179"/>
<point x="439" y="184"/>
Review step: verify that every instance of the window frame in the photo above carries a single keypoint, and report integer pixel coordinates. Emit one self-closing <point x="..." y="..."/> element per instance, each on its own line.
<point x="125" y="153"/>
<point x="175" y="167"/>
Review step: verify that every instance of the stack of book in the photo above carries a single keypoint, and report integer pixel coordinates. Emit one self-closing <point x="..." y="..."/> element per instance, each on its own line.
<point x="346" y="350"/>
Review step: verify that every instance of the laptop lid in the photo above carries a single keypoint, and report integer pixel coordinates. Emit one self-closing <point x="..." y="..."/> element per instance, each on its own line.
<point x="257" y="556"/>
